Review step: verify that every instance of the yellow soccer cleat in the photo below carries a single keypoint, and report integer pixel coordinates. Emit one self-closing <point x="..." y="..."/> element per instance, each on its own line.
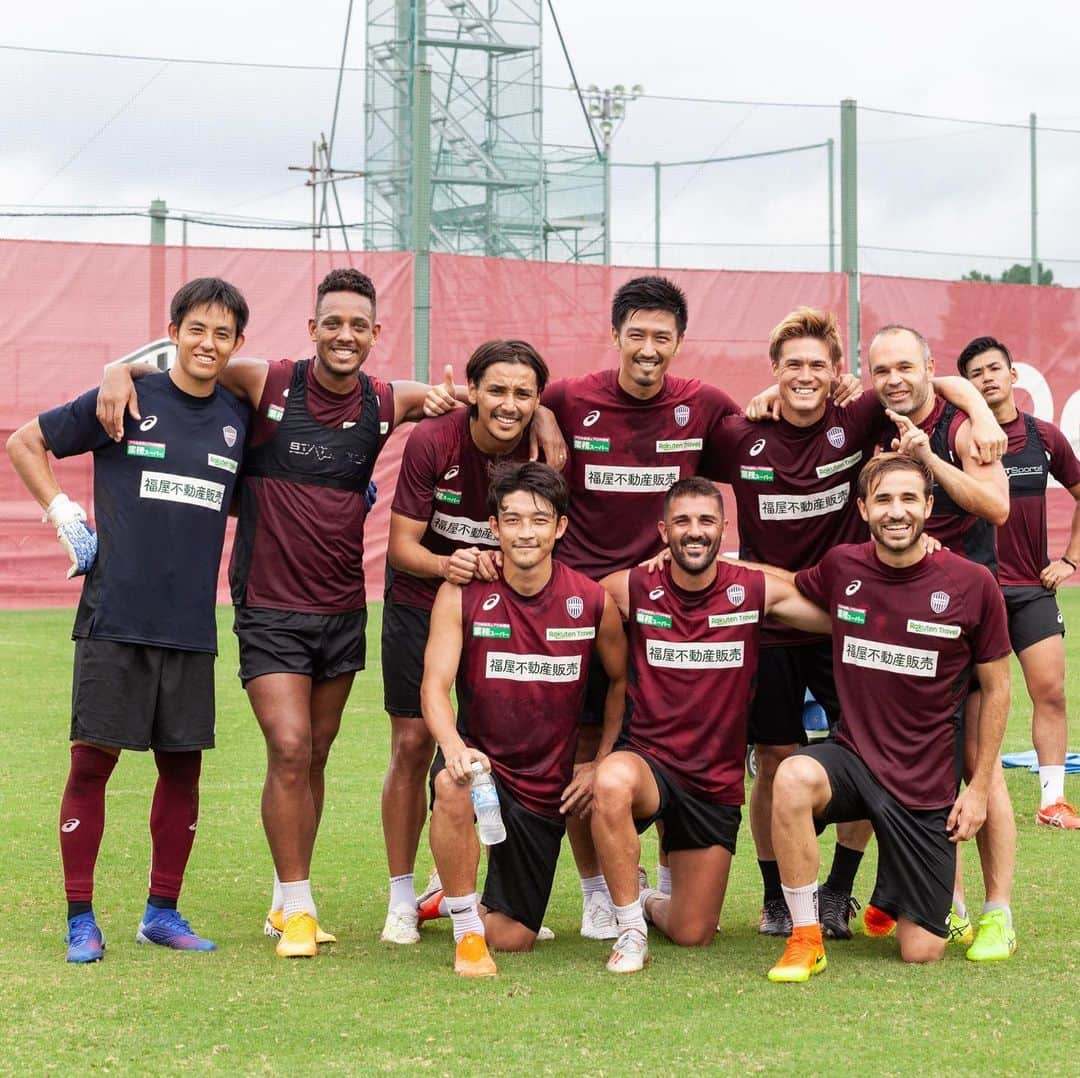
<point x="298" y="937"/>
<point x="803" y="957"/>
<point x="960" y="930"/>
<point x="471" y="957"/>
<point x="877" y="924"/>
<point x="275" y="921"/>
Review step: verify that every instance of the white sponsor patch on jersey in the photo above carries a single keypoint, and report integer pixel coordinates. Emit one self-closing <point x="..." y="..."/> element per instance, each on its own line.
<point x="825" y="470"/>
<point x="933" y="628"/>
<point x="572" y="634"/>
<point x="691" y="655"/>
<point x="186" y="489"/>
<point x="462" y="529"/>
<point x="630" y="480"/>
<point x="742" y="617"/>
<point x="509" y="667"/>
<point x="874" y="655"/>
<point x="679" y="445"/>
<point x="226" y="464"/>
<point x="802" y="506"/>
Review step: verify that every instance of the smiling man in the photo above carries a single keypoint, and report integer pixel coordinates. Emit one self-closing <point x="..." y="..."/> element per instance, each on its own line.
<point x="1028" y="577"/>
<point x="297" y="570"/>
<point x="439" y="531"/>
<point x="145" y="639"/>
<point x="908" y="628"/>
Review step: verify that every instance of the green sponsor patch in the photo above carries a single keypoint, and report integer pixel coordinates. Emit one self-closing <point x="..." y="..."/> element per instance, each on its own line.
<point x="225" y="463"/>
<point x="651" y="617"/>
<point x="451" y="497"/>
<point x="146" y="449"/>
<point x="852" y="614"/>
<point x="743" y="617"/>
<point x="825" y="470"/>
<point x="592" y="445"/>
<point x="679" y="445"/>
<point x="572" y="634"/>
<point x="756" y="475"/>
<point x="496" y="630"/>
<point x="275" y="413"/>
<point x="933" y="628"/>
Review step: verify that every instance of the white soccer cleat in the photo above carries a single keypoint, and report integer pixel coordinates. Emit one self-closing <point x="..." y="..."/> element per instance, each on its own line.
<point x="401" y="925"/>
<point x="544" y="935"/>
<point x="630" y="953"/>
<point x="598" y="918"/>
<point x="434" y="884"/>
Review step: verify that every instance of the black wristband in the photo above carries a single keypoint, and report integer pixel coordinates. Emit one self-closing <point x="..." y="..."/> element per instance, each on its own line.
<point x="1070" y="564"/>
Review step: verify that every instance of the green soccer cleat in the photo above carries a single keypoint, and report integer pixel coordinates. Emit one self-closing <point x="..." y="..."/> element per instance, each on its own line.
<point x="960" y="930"/>
<point x="995" y="940"/>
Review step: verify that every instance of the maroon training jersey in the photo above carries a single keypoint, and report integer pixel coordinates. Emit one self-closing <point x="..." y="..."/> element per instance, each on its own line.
<point x="444" y="482"/>
<point x="693" y="665"/>
<point x="308" y="549"/>
<point x="624" y="453"/>
<point x="905" y="642"/>
<point x="795" y="487"/>
<point x="521" y="679"/>
<point x="1036" y="449"/>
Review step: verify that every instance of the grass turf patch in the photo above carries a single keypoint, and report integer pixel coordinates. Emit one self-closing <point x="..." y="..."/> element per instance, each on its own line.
<point x="363" y="1005"/>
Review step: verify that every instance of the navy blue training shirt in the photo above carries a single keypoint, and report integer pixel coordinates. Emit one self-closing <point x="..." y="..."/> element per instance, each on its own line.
<point x="161" y="499"/>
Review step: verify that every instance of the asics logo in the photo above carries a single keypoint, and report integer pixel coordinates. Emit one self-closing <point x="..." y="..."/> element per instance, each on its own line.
<point x="69" y="825"/>
<point x="757" y="447"/>
<point x="148" y="423"/>
<point x="490" y="602"/>
<point x="656" y="593"/>
<point x="591" y="418"/>
<point x="853" y="587"/>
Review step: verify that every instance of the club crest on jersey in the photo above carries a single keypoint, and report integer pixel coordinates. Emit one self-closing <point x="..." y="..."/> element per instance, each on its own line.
<point x="682" y="414"/>
<point x="490" y="602"/>
<point x="575" y="606"/>
<point x="229" y="434"/>
<point x="736" y="594"/>
<point x="854" y="587"/>
<point x="656" y="593"/>
<point x="591" y="418"/>
<point x="148" y="423"/>
<point x="452" y="472"/>
<point x="757" y="447"/>
<point x="837" y="438"/>
<point x="939" y="601"/>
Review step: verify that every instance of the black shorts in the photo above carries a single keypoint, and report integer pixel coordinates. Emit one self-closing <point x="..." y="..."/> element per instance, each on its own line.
<point x="521" y="869"/>
<point x="784" y="674"/>
<point x="690" y="822"/>
<point x="136" y="696"/>
<point x="1033" y="616"/>
<point x="916" y="860"/>
<point x="320" y="646"/>
<point x="404" y="637"/>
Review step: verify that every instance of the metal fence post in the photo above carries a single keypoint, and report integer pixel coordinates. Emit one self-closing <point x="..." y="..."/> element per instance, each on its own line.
<point x="421" y="221"/>
<point x="849" y="221"/>
<point x="656" y="213"/>
<point x="1034" y="277"/>
<point x="159" y="212"/>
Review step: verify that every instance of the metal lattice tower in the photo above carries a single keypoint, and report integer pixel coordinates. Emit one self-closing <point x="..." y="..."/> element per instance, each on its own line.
<point x="454" y="127"/>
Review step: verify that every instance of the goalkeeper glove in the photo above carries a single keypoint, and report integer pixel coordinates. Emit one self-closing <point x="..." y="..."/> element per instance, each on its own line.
<point x="75" y="535"/>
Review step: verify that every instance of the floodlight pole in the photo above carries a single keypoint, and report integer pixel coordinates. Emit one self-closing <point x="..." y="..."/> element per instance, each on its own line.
<point x="849" y="221"/>
<point x="421" y="221"/>
<point x="832" y="211"/>
<point x="656" y="213"/>
<point x="1034" y="276"/>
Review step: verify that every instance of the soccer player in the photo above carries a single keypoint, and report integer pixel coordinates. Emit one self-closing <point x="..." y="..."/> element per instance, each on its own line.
<point x="908" y="627"/>
<point x="297" y="571"/>
<point x="632" y="431"/>
<point x="694" y="636"/>
<point x="518" y="649"/>
<point x="1028" y="577"/>
<point x="145" y="639"/>
<point x="794" y="483"/>
<point x="971" y="497"/>
<point x="439" y="531"/>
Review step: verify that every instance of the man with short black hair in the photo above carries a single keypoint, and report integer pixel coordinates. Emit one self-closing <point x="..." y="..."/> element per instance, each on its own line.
<point x="145" y="641"/>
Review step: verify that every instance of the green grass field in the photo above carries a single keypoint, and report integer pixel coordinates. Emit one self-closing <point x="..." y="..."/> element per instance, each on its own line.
<point x="363" y="1006"/>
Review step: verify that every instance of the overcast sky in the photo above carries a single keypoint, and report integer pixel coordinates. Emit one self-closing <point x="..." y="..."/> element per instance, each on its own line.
<point x="87" y="131"/>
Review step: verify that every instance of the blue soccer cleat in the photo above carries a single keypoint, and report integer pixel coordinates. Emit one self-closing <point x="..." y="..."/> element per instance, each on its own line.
<point x="86" y="942"/>
<point x="167" y="928"/>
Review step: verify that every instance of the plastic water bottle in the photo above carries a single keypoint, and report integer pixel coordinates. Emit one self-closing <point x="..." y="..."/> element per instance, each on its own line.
<point x="485" y="799"/>
<point x="815" y="720"/>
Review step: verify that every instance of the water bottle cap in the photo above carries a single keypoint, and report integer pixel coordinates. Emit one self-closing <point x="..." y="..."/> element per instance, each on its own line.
<point x="477" y="767"/>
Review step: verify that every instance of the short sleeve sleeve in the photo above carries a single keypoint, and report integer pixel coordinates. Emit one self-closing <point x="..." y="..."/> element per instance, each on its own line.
<point x="990" y="637"/>
<point x="1064" y="466"/>
<point x="414" y="496"/>
<point x="73" y="428"/>
<point x="813" y="583"/>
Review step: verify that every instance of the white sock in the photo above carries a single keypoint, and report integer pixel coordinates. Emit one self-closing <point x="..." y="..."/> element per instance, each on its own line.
<point x="277" y="902"/>
<point x="401" y="891"/>
<point x="1052" y="781"/>
<point x="988" y="906"/>
<point x="465" y="913"/>
<point x="663" y="879"/>
<point x="959" y="905"/>
<point x="631" y="916"/>
<point x="648" y="893"/>
<point x="296" y="898"/>
<point x="593" y="885"/>
<point x="802" y="902"/>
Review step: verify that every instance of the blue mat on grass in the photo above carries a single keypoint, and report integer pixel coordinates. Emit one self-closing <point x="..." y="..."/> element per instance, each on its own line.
<point x="1031" y="762"/>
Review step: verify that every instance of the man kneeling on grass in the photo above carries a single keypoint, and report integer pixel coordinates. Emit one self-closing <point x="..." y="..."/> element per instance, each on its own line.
<point x="694" y="631"/>
<point x="519" y="649"/>
<point x="908" y="630"/>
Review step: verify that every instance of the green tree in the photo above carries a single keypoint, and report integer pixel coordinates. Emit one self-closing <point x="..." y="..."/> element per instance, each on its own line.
<point x="1017" y="273"/>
